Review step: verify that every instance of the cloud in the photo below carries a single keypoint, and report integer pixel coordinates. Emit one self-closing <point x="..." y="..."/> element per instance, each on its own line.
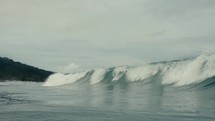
<point x="95" y="33"/>
<point x="71" y="68"/>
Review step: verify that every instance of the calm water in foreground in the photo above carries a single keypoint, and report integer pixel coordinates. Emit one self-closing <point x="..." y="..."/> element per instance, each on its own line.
<point x="120" y="102"/>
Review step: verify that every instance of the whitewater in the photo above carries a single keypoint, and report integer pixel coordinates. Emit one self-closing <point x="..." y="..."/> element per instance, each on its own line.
<point x="175" y="73"/>
<point x="179" y="90"/>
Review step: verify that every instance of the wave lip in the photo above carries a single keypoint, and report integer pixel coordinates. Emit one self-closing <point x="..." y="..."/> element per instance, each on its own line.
<point x="59" y="79"/>
<point x="190" y="71"/>
<point x="97" y="76"/>
<point x="142" y="72"/>
<point x="118" y="72"/>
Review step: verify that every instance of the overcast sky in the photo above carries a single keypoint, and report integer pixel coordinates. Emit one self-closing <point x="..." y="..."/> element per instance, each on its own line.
<point x="101" y="33"/>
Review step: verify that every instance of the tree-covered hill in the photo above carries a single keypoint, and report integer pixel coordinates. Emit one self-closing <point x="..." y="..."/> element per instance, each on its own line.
<point x="11" y="70"/>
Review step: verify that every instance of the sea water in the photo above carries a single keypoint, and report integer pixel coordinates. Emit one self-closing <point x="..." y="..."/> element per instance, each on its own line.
<point x="181" y="90"/>
<point x="123" y="102"/>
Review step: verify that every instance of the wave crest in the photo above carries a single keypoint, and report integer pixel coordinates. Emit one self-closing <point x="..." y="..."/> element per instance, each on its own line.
<point x="177" y="73"/>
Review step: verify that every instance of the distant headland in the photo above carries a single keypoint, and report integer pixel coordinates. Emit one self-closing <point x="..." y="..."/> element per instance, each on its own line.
<point x="11" y="70"/>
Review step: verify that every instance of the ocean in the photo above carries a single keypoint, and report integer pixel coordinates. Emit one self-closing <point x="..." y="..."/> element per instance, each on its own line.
<point x="180" y="90"/>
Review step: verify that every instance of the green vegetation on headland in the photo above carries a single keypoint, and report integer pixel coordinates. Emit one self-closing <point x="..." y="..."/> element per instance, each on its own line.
<point x="11" y="70"/>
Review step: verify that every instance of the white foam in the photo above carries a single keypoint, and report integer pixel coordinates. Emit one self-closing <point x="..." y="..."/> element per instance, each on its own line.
<point x="97" y="76"/>
<point x="190" y="71"/>
<point x="179" y="73"/>
<point x="118" y="72"/>
<point x="17" y="82"/>
<point x="62" y="79"/>
<point x="142" y="72"/>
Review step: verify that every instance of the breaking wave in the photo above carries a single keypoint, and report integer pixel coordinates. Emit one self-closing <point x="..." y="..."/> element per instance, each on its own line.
<point x="175" y="73"/>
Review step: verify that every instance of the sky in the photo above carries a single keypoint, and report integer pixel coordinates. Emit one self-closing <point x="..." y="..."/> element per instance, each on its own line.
<point x="87" y="34"/>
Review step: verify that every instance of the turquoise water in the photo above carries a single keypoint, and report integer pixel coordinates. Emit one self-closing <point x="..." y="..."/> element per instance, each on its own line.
<point x="103" y="102"/>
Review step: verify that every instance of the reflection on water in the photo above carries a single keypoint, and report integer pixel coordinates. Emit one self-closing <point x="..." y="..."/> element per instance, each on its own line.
<point x="130" y="100"/>
<point x="125" y="96"/>
<point x="12" y="98"/>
